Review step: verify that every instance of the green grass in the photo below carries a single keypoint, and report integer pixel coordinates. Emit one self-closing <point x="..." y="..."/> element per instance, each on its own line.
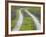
<point x="28" y="24"/>
<point x="12" y="24"/>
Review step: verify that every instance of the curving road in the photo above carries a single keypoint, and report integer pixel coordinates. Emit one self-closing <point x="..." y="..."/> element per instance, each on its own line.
<point x="36" y="21"/>
<point x="19" y="22"/>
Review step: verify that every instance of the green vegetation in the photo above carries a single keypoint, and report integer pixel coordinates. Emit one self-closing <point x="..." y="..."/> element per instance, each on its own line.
<point x="14" y="18"/>
<point x="12" y="23"/>
<point x="28" y="23"/>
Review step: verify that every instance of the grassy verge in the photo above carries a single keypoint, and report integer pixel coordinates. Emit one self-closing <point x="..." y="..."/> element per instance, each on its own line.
<point x="28" y="24"/>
